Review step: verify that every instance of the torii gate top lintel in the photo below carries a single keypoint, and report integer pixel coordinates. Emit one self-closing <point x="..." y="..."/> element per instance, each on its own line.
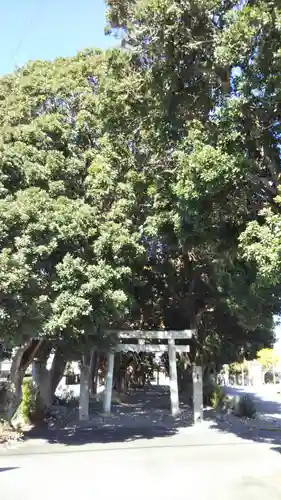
<point x="151" y="340"/>
<point x="154" y="334"/>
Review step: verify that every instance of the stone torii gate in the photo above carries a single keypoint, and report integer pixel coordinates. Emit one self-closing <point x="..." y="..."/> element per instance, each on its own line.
<point x="158" y="341"/>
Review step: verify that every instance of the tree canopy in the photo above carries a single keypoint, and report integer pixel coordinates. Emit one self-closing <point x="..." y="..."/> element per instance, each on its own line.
<point x="210" y="181"/>
<point x="140" y="186"/>
<point x="268" y="359"/>
<point x="64" y="264"/>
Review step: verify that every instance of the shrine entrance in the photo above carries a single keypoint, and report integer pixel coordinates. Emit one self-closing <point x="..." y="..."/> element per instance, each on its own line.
<point x="158" y="341"/>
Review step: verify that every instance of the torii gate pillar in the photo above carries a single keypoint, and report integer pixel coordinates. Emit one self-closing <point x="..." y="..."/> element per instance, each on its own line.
<point x="174" y="390"/>
<point x="142" y="346"/>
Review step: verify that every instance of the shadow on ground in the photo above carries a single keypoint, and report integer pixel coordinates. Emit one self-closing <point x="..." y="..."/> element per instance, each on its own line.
<point x="143" y="414"/>
<point x="265" y="428"/>
<point x="111" y="434"/>
<point x="6" y="469"/>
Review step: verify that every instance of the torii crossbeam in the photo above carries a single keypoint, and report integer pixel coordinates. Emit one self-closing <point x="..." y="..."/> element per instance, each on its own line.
<point x="151" y="341"/>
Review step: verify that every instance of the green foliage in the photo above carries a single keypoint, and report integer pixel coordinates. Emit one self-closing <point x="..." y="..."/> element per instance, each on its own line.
<point x="213" y="395"/>
<point x="218" y="399"/>
<point x="244" y="406"/>
<point x="268" y="358"/>
<point x="251" y="42"/>
<point x="65" y="262"/>
<point x="209" y="389"/>
<point x="237" y="368"/>
<point x="261" y="243"/>
<point x="213" y="162"/>
<point x="139" y="187"/>
<point x="28" y="404"/>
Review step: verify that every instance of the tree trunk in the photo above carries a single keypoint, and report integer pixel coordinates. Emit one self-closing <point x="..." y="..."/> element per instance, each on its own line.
<point x="97" y="378"/>
<point x="46" y="380"/>
<point x="39" y="370"/>
<point x="108" y="383"/>
<point x="14" y="392"/>
<point x="84" y="389"/>
<point x="22" y="359"/>
<point x="94" y="367"/>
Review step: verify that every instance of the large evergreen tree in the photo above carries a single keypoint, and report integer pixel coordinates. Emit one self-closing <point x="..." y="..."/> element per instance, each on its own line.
<point x="65" y="260"/>
<point x="140" y="186"/>
<point x="205" y="179"/>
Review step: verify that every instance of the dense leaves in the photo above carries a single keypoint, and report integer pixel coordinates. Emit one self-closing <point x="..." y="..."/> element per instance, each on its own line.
<point x="206" y="132"/>
<point x="256" y="55"/>
<point x="65" y="262"/>
<point x="268" y="358"/>
<point x="139" y="187"/>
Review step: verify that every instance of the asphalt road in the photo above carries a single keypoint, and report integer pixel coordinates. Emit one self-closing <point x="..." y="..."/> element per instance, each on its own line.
<point x="178" y="471"/>
<point x="201" y="462"/>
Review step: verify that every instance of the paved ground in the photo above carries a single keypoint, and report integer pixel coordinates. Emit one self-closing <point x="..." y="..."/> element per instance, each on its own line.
<point x="267" y="398"/>
<point x="267" y="401"/>
<point x="215" y="461"/>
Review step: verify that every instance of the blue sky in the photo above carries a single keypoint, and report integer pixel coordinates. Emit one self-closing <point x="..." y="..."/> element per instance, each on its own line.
<point x="45" y="29"/>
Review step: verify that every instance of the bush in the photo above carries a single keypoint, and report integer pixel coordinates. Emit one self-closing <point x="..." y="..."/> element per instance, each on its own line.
<point x="213" y="395"/>
<point x="209" y="386"/>
<point x="268" y="378"/>
<point x="244" y="406"/>
<point x="28" y="403"/>
<point x="65" y="397"/>
<point x="218" y="399"/>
